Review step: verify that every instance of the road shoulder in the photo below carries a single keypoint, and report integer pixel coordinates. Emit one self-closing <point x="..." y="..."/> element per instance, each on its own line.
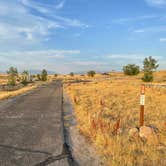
<point x="83" y="153"/>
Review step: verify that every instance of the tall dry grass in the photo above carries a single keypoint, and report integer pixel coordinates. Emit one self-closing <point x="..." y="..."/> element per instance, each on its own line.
<point x="98" y="107"/>
<point x="7" y="94"/>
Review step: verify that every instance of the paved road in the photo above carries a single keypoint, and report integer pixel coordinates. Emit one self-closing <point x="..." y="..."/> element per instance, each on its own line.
<point x="31" y="127"/>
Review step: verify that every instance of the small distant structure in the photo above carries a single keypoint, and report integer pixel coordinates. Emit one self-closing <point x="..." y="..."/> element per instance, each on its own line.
<point x="106" y="74"/>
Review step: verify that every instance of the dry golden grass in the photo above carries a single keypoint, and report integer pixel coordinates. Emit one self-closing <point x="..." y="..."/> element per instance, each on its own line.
<point x="98" y="106"/>
<point x="7" y="94"/>
<point x="3" y="79"/>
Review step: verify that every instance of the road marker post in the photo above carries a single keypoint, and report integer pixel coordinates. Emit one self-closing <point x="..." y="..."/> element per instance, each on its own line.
<point x="142" y="103"/>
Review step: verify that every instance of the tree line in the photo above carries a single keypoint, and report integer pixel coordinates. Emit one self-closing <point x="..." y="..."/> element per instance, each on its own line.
<point x="149" y="66"/>
<point x="24" y="77"/>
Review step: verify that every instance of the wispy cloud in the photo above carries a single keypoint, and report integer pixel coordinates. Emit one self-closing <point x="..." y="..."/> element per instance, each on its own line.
<point x="134" y="57"/>
<point x="136" y="19"/>
<point x="89" y="63"/>
<point x="50" y="59"/>
<point x="162" y="39"/>
<point x="43" y="7"/>
<point x="60" y="5"/>
<point x="19" y="22"/>
<point x="156" y="3"/>
<point x="40" y="53"/>
<point x="50" y="12"/>
<point x="153" y="29"/>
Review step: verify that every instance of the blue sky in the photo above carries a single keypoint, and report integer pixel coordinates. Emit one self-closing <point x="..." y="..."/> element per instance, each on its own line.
<point x="79" y="35"/>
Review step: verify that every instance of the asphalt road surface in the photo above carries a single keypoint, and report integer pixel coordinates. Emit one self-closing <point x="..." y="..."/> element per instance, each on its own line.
<point x="31" y="129"/>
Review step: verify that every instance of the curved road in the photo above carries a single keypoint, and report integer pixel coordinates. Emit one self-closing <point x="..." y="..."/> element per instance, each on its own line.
<point x="31" y="128"/>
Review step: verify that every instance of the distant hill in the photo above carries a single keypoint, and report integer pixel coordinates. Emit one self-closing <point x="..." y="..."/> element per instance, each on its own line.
<point x="33" y="71"/>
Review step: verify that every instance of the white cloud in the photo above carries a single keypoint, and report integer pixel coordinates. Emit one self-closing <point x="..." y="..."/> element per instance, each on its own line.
<point x="136" y="19"/>
<point x="89" y="63"/>
<point x="19" y="24"/>
<point x="156" y="3"/>
<point x="152" y="29"/>
<point x="40" y="53"/>
<point x="133" y="57"/>
<point x="139" y="31"/>
<point x="54" y="60"/>
<point x="43" y="7"/>
<point x="50" y="11"/>
<point x="60" y="5"/>
<point x="162" y="39"/>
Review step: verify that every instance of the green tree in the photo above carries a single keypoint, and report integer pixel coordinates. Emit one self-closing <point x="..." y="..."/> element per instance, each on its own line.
<point x="149" y="66"/>
<point x="55" y="75"/>
<point x="25" y="77"/>
<point x="44" y="75"/>
<point x="12" y="76"/>
<point x="131" y="69"/>
<point x="91" y="73"/>
<point x="38" y="77"/>
<point x="71" y="74"/>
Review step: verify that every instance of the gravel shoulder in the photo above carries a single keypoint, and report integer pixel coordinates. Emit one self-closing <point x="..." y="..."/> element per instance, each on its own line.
<point x="83" y="153"/>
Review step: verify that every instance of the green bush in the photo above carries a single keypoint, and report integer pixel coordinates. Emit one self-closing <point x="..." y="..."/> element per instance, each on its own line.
<point x="12" y="76"/>
<point x="44" y="75"/>
<point x="148" y="77"/>
<point x="25" y="77"/>
<point x="71" y="74"/>
<point x="55" y="75"/>
<point x="131" y="69"/>
<point x="38" y="77"/>
<point x="150" y="65"/>
<point x="91" y="73"/>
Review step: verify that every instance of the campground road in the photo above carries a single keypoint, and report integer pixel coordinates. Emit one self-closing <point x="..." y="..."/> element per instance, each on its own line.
<point x="31" y="128"/>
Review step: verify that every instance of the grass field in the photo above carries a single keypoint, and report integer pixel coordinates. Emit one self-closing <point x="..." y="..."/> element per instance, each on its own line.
<point x="8" y="94"/>
<point x="99" y="104"/>
<point x="3" y="79"/>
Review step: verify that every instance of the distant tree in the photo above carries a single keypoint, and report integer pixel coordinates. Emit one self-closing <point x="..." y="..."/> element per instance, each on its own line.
<point x="38" y="77"/>
<point x="148" y="76"/>
<point x="12" y="76"/>
<point x="55" y="75"/>
<point x="149" y="66"/>
<point x="91" y="73"/>
<point x="44" y="75"/>
<point x="71" y="74"/>
<point x="25" y="77"/>
<point x="131" y="69"/>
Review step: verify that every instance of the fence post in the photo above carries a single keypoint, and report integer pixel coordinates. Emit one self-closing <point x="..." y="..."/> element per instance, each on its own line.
<point x="142" y="103"/>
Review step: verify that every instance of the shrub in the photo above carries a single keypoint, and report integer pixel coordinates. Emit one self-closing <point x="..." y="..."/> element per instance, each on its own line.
<point x="55" y="75"/>
<point x="12" y="76"/>
<point x="25" y="77"/>
<point x="71" y="74"/>
<point x="38" y="77"/>
<point x="148" y="77"/>
<point x="91" y="73"/>
<point x="149" y="66"/>
<point x="131" y="69"/>
<point x="44" y="75"/>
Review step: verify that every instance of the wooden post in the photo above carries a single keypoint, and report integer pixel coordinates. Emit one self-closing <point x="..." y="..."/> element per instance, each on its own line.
<point x="142" y="103"/>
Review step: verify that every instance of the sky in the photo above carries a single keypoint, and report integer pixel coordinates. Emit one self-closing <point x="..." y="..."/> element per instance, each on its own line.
<point x="79" y="35"/>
